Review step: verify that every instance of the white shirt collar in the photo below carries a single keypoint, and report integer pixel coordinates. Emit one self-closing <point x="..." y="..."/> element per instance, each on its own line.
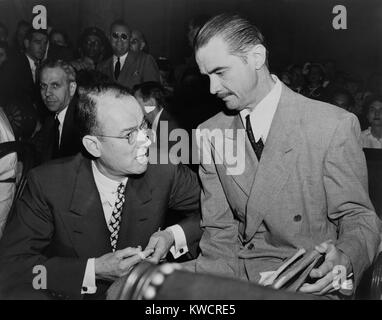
<point x="262" y="115"/>
<point x="156" y="120"/>
<point x="106" y="186"/>
<point x="122" y="59"/>
<point x="32" y="65"/>
<point x="61" y="118"/>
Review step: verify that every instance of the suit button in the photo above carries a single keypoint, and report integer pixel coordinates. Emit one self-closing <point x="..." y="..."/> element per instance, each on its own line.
<point x="297" y="218"/>
<point x="251" y="246"/>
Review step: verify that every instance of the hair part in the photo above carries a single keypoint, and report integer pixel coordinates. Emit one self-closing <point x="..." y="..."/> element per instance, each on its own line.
<point x="152" y="89"/>
<point x="239" y="33"/>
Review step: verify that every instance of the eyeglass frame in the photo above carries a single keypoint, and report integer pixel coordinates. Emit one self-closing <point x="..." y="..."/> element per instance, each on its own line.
<point x="120" y="35"/>
<point x="144" y="126"/>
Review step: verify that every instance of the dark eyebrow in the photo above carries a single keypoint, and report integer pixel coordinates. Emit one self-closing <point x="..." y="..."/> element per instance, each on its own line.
<point x="217" y="69"/>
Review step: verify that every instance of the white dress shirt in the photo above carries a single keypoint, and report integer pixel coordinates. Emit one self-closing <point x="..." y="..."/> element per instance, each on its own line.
<point x="369" y="141"/>
<point x="8" y="169"/>
<point x="122" y="60"/>
<point x="107" y="189"/>
<point x="32" y="65"/>
<point x="61" y="118"/>
<point x="262" y="114"/>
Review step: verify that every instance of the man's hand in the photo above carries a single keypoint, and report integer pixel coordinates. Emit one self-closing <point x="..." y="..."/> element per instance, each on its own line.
<point x="324" y="273"/>
<point x="160" y="242"/>
<point x="114" y="265"/>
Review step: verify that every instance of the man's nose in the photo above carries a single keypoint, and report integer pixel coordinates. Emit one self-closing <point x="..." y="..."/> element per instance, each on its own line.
<point x="143" y="138"/>
<point x="214" y="84"/>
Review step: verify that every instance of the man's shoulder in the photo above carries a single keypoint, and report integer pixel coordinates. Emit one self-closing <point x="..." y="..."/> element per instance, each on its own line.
<point x="315" y="111"/>
<point x="220" y="120"/>
<point x="58" y="169"/>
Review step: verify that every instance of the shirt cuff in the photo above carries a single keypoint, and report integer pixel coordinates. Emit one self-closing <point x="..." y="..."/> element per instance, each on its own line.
<point x="180" y="247"/>
<point x="88" y="284"/>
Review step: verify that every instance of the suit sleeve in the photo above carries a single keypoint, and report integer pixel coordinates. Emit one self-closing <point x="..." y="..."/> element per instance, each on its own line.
<point x="150" y="70"/>
<point x="219" y="243"/>
<point x="184" y="198"/>
<point x="349" y="206"/>
<point x="27" y="239"/>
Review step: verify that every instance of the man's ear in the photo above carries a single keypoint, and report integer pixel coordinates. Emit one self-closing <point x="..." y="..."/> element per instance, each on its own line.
<point x="26" y="43"/>
<point x="92" y="145"/>
<point x="72" y="88"/>
<point x="258" y="55"/>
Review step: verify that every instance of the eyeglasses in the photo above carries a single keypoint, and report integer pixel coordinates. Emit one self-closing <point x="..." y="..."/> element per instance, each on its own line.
<point x="122" y="36"/>
<point x="131" y="136"/>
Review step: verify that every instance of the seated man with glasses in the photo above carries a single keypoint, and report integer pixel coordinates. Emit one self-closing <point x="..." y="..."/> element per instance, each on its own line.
<point x="83" y="222"/>
<point x="127" y="68"/>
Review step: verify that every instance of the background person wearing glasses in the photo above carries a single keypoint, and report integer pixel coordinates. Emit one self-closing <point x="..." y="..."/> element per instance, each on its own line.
<point x="86" y="221"/>
<point x="125" y="67"/>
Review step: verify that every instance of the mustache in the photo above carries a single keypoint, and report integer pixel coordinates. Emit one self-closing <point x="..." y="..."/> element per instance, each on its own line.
<point x="224" y="95"/>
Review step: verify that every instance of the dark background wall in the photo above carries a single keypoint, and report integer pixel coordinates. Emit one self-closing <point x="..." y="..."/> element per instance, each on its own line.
<point x="296" y="30"/>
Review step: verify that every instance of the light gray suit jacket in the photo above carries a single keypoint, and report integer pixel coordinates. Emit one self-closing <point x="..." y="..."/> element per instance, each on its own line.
<point x="310" y="186"/>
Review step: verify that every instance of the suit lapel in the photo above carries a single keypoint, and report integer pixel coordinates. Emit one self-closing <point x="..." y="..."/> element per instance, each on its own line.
<point x="278" y="156"/>
<point x="68" y="136"/>
<point x="128" y="67"/>
<point x="244" y="180"/>
<point x="89" y="230"/>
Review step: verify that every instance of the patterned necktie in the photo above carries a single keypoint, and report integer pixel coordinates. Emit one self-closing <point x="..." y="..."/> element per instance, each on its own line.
<point x="115" y="220"/>
<point x="117" y="69"/>
<point x="257" y="146"/>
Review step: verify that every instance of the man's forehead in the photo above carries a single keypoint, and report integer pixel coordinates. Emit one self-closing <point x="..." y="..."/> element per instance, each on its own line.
<point x="53" y="74"/>
<point x="120" y="28"/>
<point x="39" y="36"/>
<point x="122" y="104"/>
<point x="93" y="37"/>
<point x="212" y="54"/>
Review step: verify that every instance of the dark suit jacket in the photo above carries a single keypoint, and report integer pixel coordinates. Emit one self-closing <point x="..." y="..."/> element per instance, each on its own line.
<point x="16" y="83"/>
<point x="70" y="137"/>
<point x="138" y="67"/>
<point x="59" y="221"/>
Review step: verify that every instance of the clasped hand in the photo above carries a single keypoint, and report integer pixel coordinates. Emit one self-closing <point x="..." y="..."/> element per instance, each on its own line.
<point x="114" y="265"/>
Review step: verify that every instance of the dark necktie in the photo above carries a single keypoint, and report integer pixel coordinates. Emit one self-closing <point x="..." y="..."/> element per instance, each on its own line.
<point x="117" y="69"/>
<point x="56" y="138"/>
<point x="115" y="220"/>
<point x="37" y="71"/>
<point x="257" y="146"/>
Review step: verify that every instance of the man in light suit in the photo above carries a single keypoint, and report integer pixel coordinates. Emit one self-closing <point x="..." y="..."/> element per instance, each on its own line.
<point x="304" y="178"/>
<point x="127" y="68"/>
<point x="84" y="221"/>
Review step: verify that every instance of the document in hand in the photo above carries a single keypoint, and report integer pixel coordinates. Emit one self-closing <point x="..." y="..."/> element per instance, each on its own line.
<point x="292" y="274"/>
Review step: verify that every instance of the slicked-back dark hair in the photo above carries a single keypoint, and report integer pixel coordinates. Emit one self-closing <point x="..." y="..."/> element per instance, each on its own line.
<point x="31" y="31"/>
<point x="239" y="33"/>
<point x="152" y="89"/>
<point x="86" y="111"/>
